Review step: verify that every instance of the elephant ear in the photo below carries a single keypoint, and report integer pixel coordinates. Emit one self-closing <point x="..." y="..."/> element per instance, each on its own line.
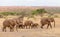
<point x="48" y="19"/>
<point x="51" y="19"/>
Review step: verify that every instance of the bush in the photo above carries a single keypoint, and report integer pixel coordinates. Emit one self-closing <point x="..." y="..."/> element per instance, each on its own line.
<point x="56" y="16"/>
<point x="8" y="13"/>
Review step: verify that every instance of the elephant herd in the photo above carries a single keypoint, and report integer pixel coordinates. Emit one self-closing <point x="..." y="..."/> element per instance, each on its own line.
<point x="18" y="23"/>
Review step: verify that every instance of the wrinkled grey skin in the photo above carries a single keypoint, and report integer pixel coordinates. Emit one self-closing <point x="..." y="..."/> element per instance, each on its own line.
<point x="47" y="21"/>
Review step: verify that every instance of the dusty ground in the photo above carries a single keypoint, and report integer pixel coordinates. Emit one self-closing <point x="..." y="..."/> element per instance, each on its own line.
<point x="54" y="32"/>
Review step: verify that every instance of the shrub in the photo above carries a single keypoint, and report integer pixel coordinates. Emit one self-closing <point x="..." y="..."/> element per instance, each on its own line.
<point x="8" y="13"/>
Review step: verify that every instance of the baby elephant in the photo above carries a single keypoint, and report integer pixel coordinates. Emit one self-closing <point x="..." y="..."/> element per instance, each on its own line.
<point x="21" y="26"/>
<point x="34" y="25"/>
<point x="28" y="23"/>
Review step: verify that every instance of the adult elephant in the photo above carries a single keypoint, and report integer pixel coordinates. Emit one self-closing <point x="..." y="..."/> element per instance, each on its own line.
<point x="11" y="23"/>
<point x="8" y="23"/>
<point x="47" y="21"/>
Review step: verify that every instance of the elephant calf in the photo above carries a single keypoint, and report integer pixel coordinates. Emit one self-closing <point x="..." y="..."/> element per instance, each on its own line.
<point x="34" y="25"/>
<point x="28" y="23"/>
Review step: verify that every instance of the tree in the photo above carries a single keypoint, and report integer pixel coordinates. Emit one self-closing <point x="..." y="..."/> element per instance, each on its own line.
<point x="39" y="12"/>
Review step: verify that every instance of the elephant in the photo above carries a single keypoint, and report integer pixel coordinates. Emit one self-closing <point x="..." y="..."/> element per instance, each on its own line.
<point x="8" y="23"/>
<point x="11" y="23"/>
<point x="34" y="25"/>
<point x="48" y="21"/>
<point x="28" y="23"/>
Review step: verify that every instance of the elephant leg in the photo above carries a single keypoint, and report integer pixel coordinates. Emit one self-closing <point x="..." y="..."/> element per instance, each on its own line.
<point x="26" y="27"/>
<point x="42" y="26"/>
<point x="36" y="26"/>
<point x="29" y="27"/>
<point x="50" y="25"/>
<point x="22" y="26"/>
<point x="4" y="29"/>
<point x="17" y="28"/>
<point x="11" y="29"/>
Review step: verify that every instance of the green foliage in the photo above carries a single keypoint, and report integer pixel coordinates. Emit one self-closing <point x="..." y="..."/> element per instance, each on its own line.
<point x="8" y="13"/>
<point x="23" y="13"/>
<point x="18" y="13"/>
<point x="34" y="12"/>
<point x="39" y="12"/>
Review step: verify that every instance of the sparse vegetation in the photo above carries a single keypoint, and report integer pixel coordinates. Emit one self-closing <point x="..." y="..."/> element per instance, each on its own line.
<point x="8" y="13"/>
<point x="56" y="16"/>
<point x="39" y="12"/>
<point x="30" y="13"/>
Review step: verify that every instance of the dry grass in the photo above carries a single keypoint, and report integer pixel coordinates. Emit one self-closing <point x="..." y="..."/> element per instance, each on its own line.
<point x="54" y="32"/>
